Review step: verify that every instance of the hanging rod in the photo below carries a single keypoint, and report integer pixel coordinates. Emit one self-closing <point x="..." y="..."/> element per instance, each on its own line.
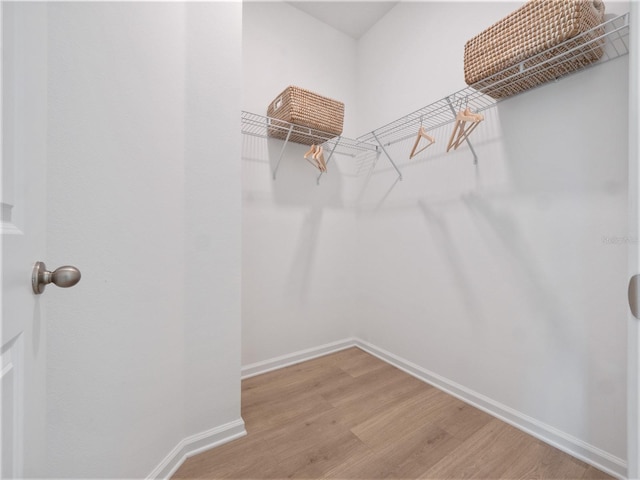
<point x="267" y="127"/>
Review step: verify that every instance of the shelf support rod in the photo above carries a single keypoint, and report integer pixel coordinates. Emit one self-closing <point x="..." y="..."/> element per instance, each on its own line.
<point x="453" y="110"/>
<point x="329" y="158"/>
<point x="275" y="170"/>
<point x="387" y="154"/>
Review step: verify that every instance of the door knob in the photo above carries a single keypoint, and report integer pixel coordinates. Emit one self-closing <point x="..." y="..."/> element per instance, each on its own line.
<point x="66" y="276"/>
<point x="634" y="290"/>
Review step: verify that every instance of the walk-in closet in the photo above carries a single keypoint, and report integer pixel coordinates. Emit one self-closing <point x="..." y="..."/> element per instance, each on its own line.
<point x="496" y="270"/>
<point x="320" y="239"/>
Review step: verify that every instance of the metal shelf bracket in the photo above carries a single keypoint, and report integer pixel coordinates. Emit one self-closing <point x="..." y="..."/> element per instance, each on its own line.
<point x="284" y="146"/>
<point x="387" y="155"/>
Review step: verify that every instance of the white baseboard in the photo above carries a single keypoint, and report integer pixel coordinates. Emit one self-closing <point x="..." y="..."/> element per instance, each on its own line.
<point x="197" y="444"/>
<point x="258" y="368"/>
<point x="225" y="433"/>
<point x="575" y="447"/>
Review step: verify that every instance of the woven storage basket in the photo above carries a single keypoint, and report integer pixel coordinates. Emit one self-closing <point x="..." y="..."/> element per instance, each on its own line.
<point x="322" y="116"/>
<point x="492" y="59"/>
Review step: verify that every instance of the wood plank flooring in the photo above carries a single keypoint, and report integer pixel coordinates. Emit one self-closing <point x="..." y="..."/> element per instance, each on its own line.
<point x="349" y="415"/>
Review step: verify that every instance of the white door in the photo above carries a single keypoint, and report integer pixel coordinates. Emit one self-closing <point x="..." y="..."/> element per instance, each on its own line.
<point x="633" y="359"/>
<point x="23" y="394"/>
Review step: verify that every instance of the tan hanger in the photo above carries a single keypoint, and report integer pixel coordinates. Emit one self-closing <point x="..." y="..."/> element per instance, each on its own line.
<point x="461" y="130"/>
<point x="469" y="113"/>
<point x="311" y="153"/>
<point x="319" y="158"/>
<point x="422" y="133"/>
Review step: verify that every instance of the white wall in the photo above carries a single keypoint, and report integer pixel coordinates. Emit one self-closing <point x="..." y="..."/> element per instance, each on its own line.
<point x="422" y="44"/>
<point x="284" y="46"/>
<point x="143" y="197"/>
<point x="212" y="215"/>
<point x="298" y="240"/>
<point x="508" y="278"/>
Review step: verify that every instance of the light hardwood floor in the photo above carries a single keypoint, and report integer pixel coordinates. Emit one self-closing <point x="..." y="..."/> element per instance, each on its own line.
<point x="351" y="415"/>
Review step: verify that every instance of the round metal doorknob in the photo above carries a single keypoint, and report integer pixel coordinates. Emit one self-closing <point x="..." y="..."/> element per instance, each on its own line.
<point x="634" y="295"/>
<point x="65" y="277"/>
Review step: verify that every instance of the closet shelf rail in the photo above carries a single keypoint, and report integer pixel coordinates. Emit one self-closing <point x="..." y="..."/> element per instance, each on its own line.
<point x="557" y="61"/>
<point x="259" y="125"/>
<point x="265" y="127"/>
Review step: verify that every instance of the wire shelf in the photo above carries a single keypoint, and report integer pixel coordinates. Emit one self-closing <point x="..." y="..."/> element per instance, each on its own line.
<point x="267" y="127"/>
<point x="609" y="39"/>
<point x="556" y="62"/>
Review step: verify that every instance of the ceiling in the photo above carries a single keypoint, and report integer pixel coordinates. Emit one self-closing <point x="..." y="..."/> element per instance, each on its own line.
<point x="353" y="18"/>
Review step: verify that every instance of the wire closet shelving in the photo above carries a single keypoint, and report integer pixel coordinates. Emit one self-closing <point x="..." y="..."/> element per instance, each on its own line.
<point x="612" y="37"/>
<point x="557" y="62"/>
<point x="265" y="127"/>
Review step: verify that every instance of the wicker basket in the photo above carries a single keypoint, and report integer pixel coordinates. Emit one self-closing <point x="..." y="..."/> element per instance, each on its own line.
<point x="499" y="60"/>
<point x="320" y="118"/>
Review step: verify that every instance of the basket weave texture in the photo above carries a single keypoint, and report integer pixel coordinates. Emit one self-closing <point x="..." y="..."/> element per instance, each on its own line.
<point x="536" y="27"/>
<point x="323" y="116"/>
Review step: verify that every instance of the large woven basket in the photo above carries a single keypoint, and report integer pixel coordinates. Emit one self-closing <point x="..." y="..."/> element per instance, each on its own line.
<point x="499" y="60"/>
<point x="319" y="118"/>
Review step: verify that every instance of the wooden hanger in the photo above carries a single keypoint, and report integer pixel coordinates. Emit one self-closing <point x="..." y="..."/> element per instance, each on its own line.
<point x="422" y="133"/>
<point x="469" y="113"/>
<point x="461" y="130"/>
<point x="316" y="153"/>
<point x="311" y="153"/>
<point x="319" y="158"/>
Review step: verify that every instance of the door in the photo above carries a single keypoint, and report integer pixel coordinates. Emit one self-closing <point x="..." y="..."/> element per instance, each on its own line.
<point x="23" y="408"/>
<point x="633" y="355"/>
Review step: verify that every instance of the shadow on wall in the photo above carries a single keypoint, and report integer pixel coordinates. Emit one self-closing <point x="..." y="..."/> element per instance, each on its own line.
<point x="444" y="238"/>
<point x="500" y="227"/>
<point x="560" y="138"/>
<point x="567" y="164"/>
<point x="298" y="279"/>
<point x="548" y="315"/>
<point x="286" y="215"/>
<point x="296" y="180"/>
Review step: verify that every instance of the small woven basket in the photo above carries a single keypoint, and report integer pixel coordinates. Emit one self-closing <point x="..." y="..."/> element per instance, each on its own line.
<point x="324" y="117"/>
<point x="505" y="50"/>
